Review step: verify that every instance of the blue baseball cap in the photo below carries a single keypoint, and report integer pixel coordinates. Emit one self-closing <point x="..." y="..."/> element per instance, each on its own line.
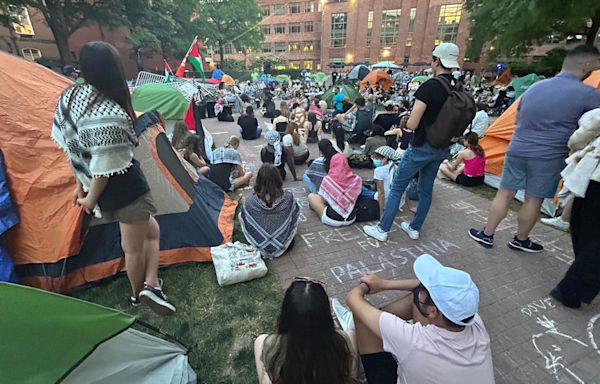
<point x="453" y="291"/>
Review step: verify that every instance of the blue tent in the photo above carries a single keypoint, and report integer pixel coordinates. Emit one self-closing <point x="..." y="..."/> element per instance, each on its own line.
<point x="9" y="217"/>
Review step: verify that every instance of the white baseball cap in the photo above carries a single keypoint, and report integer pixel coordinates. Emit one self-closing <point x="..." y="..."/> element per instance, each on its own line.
<point x="453" y="291"/>
<point x="448" y="55"/>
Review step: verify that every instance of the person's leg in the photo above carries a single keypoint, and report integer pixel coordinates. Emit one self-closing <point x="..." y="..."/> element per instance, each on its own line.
<point x="242" y="181"/>
<point x="528" y="216"/>
<point x="204" y="171"/>
<point x="367" y="192"/>
<point x="316" y="203"/>
<point x="152" y="253"/>
<point x="566" y="213"/>
<point x="498" y="210"/>
<point x="426" y="180"/>
<point x="133" y="237"/>
<point x="312" y="188"/>
<point x="258" y="132"/>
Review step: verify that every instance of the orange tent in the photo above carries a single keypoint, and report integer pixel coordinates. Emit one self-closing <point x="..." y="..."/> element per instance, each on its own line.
<point x="499" y="134"/>
<point x="378" y="75"/>
<point x="504" y="79"/>
<point x="228" y="80"/>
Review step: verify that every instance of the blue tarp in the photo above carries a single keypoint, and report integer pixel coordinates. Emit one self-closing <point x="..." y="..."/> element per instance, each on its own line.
<point x="9" y="217"/>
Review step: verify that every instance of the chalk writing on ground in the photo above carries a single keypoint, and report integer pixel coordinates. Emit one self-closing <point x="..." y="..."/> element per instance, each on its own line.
<point x="480" y="215"/>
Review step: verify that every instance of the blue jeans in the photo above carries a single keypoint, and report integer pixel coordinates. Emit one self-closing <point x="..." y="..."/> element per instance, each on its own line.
<point x="258" y="133"/>
<point x="424" y="160"/>
<point x="367" y="192"/>
<point x="309" y="184"/>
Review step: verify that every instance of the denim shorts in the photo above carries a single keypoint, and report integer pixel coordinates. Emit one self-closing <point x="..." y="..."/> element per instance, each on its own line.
<point x="537" y="177"/>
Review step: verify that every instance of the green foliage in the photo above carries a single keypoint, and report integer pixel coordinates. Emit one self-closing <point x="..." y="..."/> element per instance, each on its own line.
<point x="548" y="65"/>
<point x="512" y="27"/>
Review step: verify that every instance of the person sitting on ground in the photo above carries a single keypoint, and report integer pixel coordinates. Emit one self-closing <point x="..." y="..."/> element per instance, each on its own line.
<point x="249" y="125"/>
<point x="269" y="218"/>
<point x="389" y="118"/>
<point x="384" y="160"/>
<point x="468" y="169"/>
<point x="446" y="335"/>
<point x="227" y="170"/>
<point x="180" y="132"/>
<point x="319" y="167"/>
<point x="376" y="140"/>
<point x="284" y="109"/>
<point x="338" y="100"/>
<point x="222" y="111"/>
<point x="316" y="109"/>
<point x="280" y="122"/>
<point x="298" y="114"/>
<point x="245" y="103"/>
<point x="313" y="127"/>
<point x="362" y="122"/>
<point x="346" y="104"/>
<point x="274" y="153"/>
<point x="339" y="139"/>
<point x="294" y="140"/>
<point x="400" y="137"/>
<point x="191" y="151"/>
<point x="336" y="202"/>
<point x="481" y="121"/>
<point x="306" y="348"/>
<point x="322" y="104"/>
<point x="269" y="106"/>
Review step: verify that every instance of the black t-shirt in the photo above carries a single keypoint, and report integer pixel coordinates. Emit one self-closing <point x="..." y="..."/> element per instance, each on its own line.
<point x="123" y="189"/>
<point x="249" y="125"/>
<point x="267" y="156"/>
<point x="220" y="174"/>
<point x="387" y="120"/>
<point x="432" y="93"/>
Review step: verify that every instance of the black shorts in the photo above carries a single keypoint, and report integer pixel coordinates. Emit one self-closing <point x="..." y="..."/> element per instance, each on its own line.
<point x="380" y="368"/>
<point x="469" y="181"/>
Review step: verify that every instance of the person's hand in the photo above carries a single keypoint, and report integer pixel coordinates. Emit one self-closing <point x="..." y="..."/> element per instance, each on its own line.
<point x="87" y="204"/>
<point x="374" y="282"/>
<point x="78" y="194"/>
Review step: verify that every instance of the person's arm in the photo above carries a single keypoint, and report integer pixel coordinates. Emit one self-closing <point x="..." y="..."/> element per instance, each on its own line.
<point x="380" y="196"/>
<point x="89" y="202"/>
<point x="290" y="161"/>
<point x="377" y="284"/>
<point x="460" y="158"/>
<point x="196" y="161"/>
<point x="362" y="309"/>
<point x="416" y="115"/>
<point x="393" y="132"/>
<point x="240" y="170"/>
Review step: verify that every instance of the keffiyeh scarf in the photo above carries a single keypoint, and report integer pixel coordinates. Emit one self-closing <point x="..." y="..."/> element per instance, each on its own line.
<point x="341" y="188"/>
<point x="270" y="229"/>
<point x="273" y="139"/>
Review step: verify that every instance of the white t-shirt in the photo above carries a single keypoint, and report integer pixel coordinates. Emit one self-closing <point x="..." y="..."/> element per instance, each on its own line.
<point x="480" y="123"/>
<point x="323" y="105"/>
<point x="347" y="148"/>
<point x="386" y="174"/>
<point x="433" y="355"/>
<point x="299" y="150"/>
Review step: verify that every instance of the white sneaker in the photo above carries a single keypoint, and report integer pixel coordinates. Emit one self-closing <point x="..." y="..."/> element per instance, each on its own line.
<point x="411" y="232"/>
<point x="375" y="232"/>
<point x="343" y="314"/>
<point x="557" y="222"/>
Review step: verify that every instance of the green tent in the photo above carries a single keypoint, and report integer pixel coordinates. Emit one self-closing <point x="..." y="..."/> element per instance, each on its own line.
<point x="348" y="90"/>
<point x="49" y="338"/>
<point x="419" y="79"/>
<point x="167" y="100"/>
<point x="283" y="78"/>
<point x="521" y="84"/>
<point x="319" y="77"/>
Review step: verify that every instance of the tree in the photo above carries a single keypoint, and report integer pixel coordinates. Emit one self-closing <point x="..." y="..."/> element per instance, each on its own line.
<point x="64" y="17"/>
<point x="222" y="22"/>
<point x="512" y="27"/>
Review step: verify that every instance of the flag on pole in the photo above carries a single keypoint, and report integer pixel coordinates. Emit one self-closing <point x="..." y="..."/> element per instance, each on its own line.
<point x="168" y="72"/>
<point x="193" y="55"/>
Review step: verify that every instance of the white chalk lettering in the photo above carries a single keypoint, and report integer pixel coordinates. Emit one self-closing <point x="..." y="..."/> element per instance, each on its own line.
<point x="307" y="237"/>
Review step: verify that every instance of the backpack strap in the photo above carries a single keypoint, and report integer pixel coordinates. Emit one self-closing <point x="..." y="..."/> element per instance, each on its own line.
<point x="445" y="83"/>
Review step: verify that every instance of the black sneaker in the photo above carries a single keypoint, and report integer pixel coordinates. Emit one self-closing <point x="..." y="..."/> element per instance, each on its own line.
<point x="481" y="237"/>
<point x="156" y="300"/>
<point x="135" y="301"/>
<point x="525" y="245"/>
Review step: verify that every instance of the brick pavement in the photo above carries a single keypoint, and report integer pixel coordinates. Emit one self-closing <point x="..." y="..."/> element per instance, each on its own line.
<point x="534" y="339"/>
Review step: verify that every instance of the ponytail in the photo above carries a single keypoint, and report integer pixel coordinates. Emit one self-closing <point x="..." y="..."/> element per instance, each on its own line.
<point x="473" y="142"/>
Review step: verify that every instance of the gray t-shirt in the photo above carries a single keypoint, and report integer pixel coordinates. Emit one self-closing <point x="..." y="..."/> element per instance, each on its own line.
<point x="548" y="115"/>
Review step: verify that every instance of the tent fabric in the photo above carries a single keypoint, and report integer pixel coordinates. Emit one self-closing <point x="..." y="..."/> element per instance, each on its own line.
<point x="319" y="77"/>
<point x="162" y="97"/>
<point x="521" y="84"/>
<point x="504" y="79"/>
<point x="63" y="339"/>
<point x="348" y="90"/>
<point x="50" y="332"/>
<point x="55" y="246"/>
<point x="228" y="80"/>
<point x="378" y="75"/>
<point x="387" y="65"/>
<point x="359" y="72"/>
<point x="9" y="216"/>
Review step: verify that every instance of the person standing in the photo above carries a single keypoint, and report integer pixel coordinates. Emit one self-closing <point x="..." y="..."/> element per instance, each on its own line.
<point x="94" y="123"/>
<point x="338" y="100"/>
<point x="547" y="116"/>
<point x="421" y="156"/>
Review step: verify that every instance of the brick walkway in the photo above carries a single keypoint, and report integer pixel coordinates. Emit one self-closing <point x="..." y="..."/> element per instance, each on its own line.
<point x="534" y="339"/>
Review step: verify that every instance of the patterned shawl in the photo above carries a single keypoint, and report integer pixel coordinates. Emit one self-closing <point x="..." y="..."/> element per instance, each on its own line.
<point x="95" y="132"/>
<point x="317" y="171"/>
<point x="340" y="188"/>
<point x="274" y="139"/>
<point x="270" y="229"/>
<point x="219" y="105"/>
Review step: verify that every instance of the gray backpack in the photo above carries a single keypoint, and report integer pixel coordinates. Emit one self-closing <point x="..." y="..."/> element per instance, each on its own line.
<point x="455" y="116"/>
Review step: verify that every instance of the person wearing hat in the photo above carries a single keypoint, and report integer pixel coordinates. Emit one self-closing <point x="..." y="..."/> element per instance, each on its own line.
<point x="384" y="160"/>
<point x="447" y="341"/>
<point x="421" y="157"/>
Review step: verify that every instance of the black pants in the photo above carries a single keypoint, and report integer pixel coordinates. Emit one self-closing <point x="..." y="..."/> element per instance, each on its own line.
<point x="582" y="280"/>
<point x="301" y="159"/>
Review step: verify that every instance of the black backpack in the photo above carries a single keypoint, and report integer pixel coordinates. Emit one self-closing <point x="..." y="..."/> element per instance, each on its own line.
<point x="455" y="116"/>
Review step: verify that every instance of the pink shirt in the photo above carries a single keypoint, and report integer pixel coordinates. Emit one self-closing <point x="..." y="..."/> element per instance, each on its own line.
<point x="475" y="167"/>
<point x="433" y="355"/>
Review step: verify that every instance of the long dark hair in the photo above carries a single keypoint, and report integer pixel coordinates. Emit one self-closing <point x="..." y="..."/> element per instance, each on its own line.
<point x="472" y="140"/>
<point x="179" y="133"/>
<point x="269" y="184"/>
<point x="326" y="148"/>
<point x="312" y="118"/>
<point x="191" y="144"/>
<point x="101" y="67"/>
<point x="313" y="352"/>
<point x="340" y="136"/>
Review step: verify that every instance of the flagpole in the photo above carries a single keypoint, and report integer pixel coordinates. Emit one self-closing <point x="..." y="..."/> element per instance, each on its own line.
<point x="181" y="70"/>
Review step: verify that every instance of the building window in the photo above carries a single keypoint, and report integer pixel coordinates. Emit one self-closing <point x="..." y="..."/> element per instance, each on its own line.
<point x="294" y="47"/>
<point x="294" y="65"/>
<point x="308" y="65"/>
<point x="309" y="6"/>
<point x="318" y="25"/>
<point x="317" y="45"/>
<point x="308" y="46"/>
<point x="336" y="62"/>
<point x="338" y="30"/>
<point x="266" y="10"/>
<point x="390" y="24"/>
<point x="318" y="63"/>
<point x="31" y="53"/>
<point x="405" y="61"/>
<point x="266" y="48"/>
<point x="280" y="46"/>
<point x="266" y="29"/>
<point x="278" y="10"/>
<point x="279" y="29"/>
<point x="308" y="26"/>
<point x="448" y="23"/>
<point x="369" y="28"/>
<point x="294" y="27"/>
<point x="294" y="8"/>
<point x="22" y="23"/>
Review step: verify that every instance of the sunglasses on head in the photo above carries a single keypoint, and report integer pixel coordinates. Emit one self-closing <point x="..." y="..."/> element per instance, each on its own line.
<point x="309" y="280"/>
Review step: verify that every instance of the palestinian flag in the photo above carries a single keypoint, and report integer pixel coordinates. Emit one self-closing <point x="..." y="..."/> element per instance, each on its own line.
<point x="168" y="73"/>
<point x="194" y="58"/>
